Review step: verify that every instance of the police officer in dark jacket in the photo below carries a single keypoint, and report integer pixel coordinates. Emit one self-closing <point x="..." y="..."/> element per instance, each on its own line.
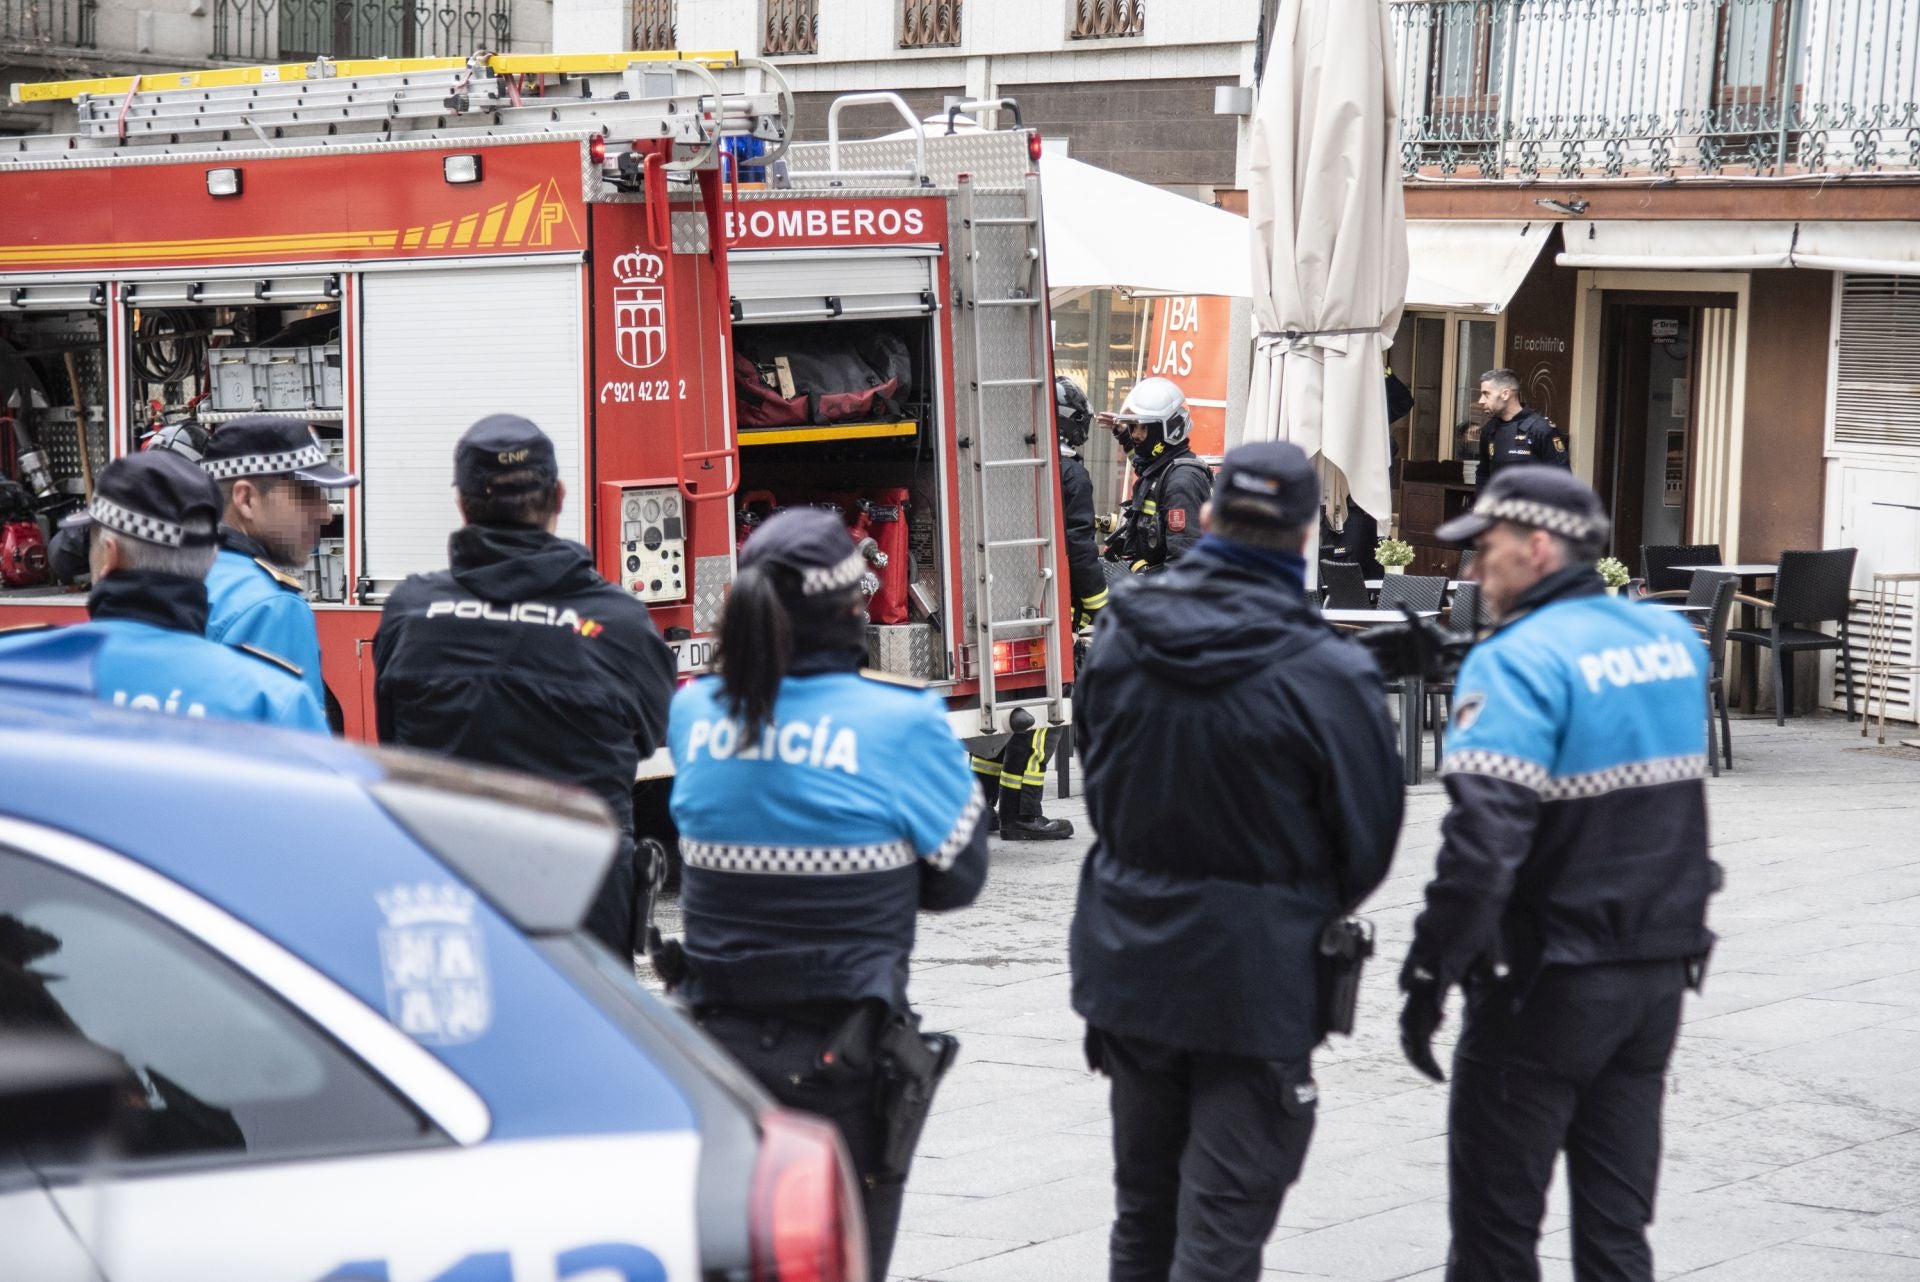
<point x="521" y="654"/>
<point x="1245" y="793"/>
<point x="1015" y="781"/>
<point x="820" y="809"/>
<point x="1569" y="901"/>
<point x="1513" y="433"/>
<point x="1162" y="517"/>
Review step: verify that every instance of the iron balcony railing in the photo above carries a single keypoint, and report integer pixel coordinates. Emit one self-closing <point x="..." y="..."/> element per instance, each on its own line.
<point x="655" y="25"/>
<point x="1577" y="89"/>
<point x="792" y="27"/>
<point x="48" y="23"/>
<point x="929" y="24"/>
<point x="290" y="30"/>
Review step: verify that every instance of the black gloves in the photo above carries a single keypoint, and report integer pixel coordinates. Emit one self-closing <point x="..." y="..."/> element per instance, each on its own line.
<point x="1419" y="1018"/>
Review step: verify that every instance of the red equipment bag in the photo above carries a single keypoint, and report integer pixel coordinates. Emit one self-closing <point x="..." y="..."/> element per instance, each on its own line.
<point x="885" y="514"/>
<point x="760" y="405"/>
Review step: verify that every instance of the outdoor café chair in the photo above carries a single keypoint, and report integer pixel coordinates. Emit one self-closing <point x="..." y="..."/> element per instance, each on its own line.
<point x="1812" y="588"/>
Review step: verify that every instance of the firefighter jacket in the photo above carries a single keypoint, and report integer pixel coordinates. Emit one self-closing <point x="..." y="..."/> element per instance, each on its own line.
<point x="254" y="602"/>
<point x="143" y="649"/>
<point x="1528" y="437"/>
<point x="807" y="855"/>
<point x="1575" y="764"/>
<point x="1085" y="578"/>
<point x="1245" y="791"/>
<point x="521" y="655"/>
<point x="1162" y="518"/>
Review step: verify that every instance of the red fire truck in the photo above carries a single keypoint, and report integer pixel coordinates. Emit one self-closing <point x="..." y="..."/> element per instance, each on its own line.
<point x="391" y="250"/>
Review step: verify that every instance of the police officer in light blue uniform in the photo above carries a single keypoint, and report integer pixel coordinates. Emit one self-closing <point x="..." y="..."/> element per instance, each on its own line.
<point x="274" y="477"/>
<point x="1569" y="901"/>
<point x="820" y="808"/>
<point x="153" y="522"/>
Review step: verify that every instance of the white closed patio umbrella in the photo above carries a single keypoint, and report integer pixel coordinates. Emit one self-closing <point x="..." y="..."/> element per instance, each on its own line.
<point x="1329" y="239"/>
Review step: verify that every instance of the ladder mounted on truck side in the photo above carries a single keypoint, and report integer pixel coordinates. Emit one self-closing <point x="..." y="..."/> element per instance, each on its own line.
<point x="673" y="98"/>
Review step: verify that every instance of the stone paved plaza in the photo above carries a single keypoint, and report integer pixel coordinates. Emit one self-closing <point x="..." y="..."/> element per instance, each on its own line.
<point x="1793" y="1122"/>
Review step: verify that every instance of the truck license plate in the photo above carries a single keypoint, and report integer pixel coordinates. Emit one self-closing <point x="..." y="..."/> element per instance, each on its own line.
<point x="692" y="656"/>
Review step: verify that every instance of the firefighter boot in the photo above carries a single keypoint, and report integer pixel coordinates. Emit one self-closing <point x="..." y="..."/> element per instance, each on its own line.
<point x="986" y="773"/>
<point x="1024" y="822"/>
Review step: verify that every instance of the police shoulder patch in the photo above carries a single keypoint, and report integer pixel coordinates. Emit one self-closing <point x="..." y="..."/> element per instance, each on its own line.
<point x="268" y="656"/>
<point x="1466" y="709"/>
<point x="893" y="679"/>
<point x="280" y="576"/>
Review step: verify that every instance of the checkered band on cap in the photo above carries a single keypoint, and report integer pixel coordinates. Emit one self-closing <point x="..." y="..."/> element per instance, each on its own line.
<point x="124" y="520"/>
<point x="226" y="469"/>
<point x="817" y="579"/>
<point x="1539" y="515"/>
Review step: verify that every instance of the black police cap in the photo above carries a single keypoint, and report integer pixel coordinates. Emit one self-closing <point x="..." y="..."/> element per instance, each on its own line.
<point x="504" y="454"/>
<point x="813" y="543"/>
<point x="1268" y="483"/>
<point x="1537" y="495"/>
<point x="157" y="497"/>
<point x="272" y="445"/>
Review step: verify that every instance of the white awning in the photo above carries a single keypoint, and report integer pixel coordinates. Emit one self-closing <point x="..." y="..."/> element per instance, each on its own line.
<point x="1469" y="265"/>
<point x="1677" y="246"/>
<point x="1889" y="249"/>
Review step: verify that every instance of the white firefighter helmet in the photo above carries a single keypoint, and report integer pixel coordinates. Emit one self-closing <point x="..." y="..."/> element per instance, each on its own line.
<point x="1158" y="401"/>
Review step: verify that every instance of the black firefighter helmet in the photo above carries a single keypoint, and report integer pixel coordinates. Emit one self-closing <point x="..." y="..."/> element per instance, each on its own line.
<point x="1072" y="414"/>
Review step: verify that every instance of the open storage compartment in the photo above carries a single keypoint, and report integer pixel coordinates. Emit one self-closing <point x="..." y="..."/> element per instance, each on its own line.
<point x="844" y="414"/>
<point x="208" y="351"/>
<point x="53" y="423"/>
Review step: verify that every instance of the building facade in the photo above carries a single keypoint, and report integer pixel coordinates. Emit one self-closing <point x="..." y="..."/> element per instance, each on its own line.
<point x="1692" y="227"/>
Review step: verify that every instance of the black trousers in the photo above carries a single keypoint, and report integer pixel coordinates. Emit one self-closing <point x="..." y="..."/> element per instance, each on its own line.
<point x="1017" y="779"/>
<point x="1204" y="1149"/>
<point x="781" y="1048"/>
<point x="1580" y="1066"/>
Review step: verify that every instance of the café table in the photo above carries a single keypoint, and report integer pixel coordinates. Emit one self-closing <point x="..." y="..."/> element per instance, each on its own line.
<point x="1413" y="691"/>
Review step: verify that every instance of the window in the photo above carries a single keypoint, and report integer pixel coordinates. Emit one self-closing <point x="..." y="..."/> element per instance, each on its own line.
<point x="1107" y="19"/>
<point x="655" y="25"/>
<point x="215" y="1066"/>
<point x="1750" y="49"/>
<point x="929" y="24"/>
<point x="1469" y="59"/>
<point x="792" y="27"/>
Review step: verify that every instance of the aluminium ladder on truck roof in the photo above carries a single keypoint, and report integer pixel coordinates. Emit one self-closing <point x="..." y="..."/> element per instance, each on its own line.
<point x="625" y="96"/>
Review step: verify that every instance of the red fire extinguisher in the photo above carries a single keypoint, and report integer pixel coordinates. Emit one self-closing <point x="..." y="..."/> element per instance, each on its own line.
<point x="884" y="515"/>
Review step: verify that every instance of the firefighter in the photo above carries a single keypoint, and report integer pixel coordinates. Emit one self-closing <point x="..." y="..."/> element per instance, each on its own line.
<point x="1273" y="808"/>
<point x="1513" y="433"/>
<point x="1162" y="517"/>
<point x="1015" y="782"/>
<point x="1569" y="901"/>
<point x="151" y="532"/>
<point x="275" y="477"/>
<point x="820" y="808"/>
<point x="521" y="655"/>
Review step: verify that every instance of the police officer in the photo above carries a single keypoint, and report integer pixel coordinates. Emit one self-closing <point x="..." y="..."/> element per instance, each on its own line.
<point x="1161" y="520"/>
<point x="1569" y="901"/>
<point x="521" y="655"/>
<point x="1015" y="782"/>
<point x="1513" y="433"/>
<point x="820" y="807"/>
<point x="1244" y="790"/>
<point x="151" y="532"/>
<point x="274" y="476"/>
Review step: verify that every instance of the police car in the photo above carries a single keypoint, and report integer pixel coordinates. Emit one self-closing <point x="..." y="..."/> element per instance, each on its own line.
<point x="357" y="1033"/>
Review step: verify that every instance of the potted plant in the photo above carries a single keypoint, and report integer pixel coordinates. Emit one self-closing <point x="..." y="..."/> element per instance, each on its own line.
<point x="1613" y="573"/>
<point x="1394" y="555"/>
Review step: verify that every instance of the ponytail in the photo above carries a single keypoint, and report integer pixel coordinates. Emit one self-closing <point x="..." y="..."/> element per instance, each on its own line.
<point x="756" y="649"/>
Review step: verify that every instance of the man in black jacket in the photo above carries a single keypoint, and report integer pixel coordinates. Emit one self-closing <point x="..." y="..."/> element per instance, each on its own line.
<point x="1015" y="781"/>
<point x="1513" y="433"/>
<point x="521" y="654"/>
<point x="1245" y="793"/>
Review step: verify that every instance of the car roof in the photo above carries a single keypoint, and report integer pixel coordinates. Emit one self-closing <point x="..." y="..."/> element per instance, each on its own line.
<point x="284" y="831"/>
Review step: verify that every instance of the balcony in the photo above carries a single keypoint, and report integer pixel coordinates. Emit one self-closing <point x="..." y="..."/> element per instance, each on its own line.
<point x="929" y="24"/>
<point x="295" y="30"/>
<point x="791" y="27"/>
<point x="1564" y="90"/>
<point x="655" y="25"/>
<point x="47" y="24"/>
<point x="1107" y="19"/>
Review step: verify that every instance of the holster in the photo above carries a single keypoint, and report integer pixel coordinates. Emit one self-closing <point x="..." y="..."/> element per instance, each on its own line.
<point x="1345" y="944"/>
<point x="911" y="1065"/>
